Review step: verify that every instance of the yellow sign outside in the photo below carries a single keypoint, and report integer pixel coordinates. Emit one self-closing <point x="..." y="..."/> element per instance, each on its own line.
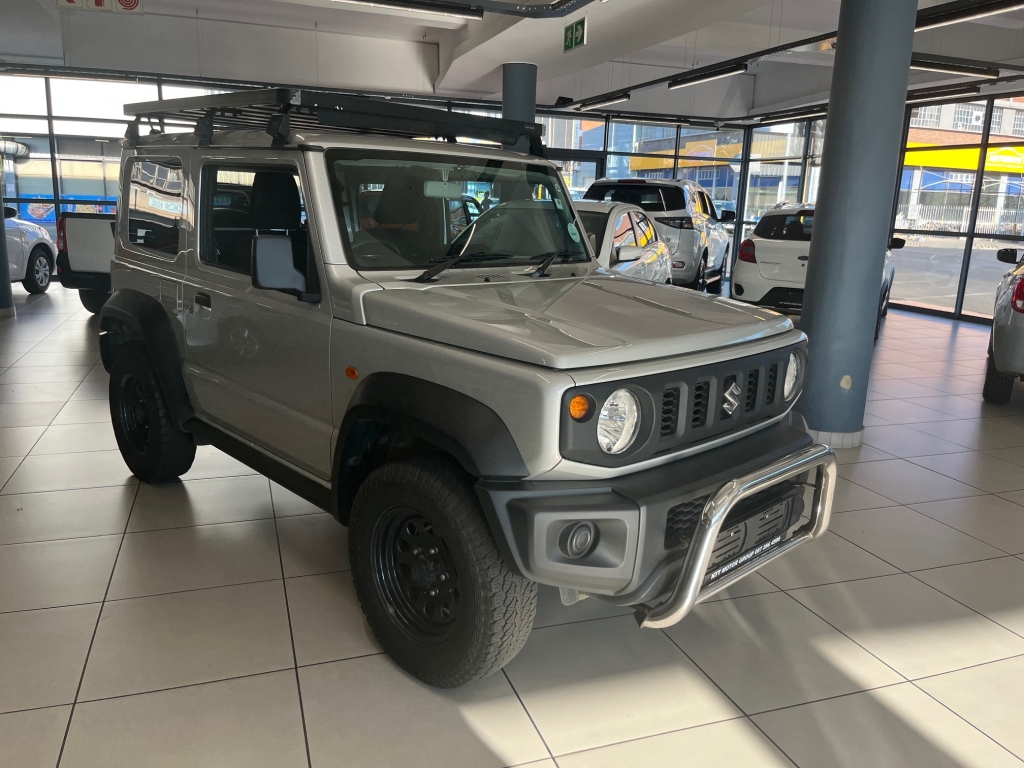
<point x="1008" y="159"/>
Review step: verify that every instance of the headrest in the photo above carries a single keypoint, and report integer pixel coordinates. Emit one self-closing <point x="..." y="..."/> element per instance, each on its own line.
<point x="400" y="202"/>
<point x="275" y="201"/>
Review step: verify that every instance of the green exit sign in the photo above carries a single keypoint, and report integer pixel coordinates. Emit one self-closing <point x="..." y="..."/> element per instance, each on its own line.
<point x="575" y="35"/>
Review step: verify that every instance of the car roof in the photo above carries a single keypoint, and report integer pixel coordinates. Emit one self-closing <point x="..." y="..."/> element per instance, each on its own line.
<point x="629" y="181"/>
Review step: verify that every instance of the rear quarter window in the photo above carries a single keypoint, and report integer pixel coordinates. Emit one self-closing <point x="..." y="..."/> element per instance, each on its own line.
<point x="787" y="226"/>
<point x="155" y="205"/>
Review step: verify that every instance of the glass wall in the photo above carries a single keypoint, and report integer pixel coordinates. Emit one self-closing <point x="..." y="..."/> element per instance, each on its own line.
<point x="960" y="199"/>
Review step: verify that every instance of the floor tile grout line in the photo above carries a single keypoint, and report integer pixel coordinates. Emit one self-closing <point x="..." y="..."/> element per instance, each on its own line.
<point x="92" y="640"/>
<point x="964" y="719"/>
<point x="727" y="696"/>
<point x="529" y="715"/>
<point x="291" y="631"/>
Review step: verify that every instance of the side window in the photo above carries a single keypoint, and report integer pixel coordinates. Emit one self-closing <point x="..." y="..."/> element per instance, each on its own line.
<point x="709" y="206"/>
<point x="155" y="205"/>
<point x="696" y="202"/>
<point x="623" y="232"/>
<point x="644" y="230"/>
<point x="240" y="202"/>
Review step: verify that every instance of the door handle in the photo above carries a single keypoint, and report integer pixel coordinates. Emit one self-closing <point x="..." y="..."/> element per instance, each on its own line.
<point x="203" y="300"/>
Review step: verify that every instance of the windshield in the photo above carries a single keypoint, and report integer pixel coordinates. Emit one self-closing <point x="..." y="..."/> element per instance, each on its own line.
<point x="594" y="222"/>
<point x="405" y="210"/>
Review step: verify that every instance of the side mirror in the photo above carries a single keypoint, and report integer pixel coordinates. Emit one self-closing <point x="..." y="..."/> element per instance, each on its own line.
<point x="1007" y="255"/>
<point x="274" y="270"/>
<point x="630" y="253"/>
<point x="727" y="216"/>
<point x="9" y="212"/>
<point x="896" y="243"/>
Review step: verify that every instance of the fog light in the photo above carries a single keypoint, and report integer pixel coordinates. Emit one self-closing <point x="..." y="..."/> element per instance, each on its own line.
<point x="580" y="540"/>
<point x="737" y="289"/>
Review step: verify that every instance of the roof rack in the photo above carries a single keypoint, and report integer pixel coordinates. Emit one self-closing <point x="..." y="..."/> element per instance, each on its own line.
<point x="279" y="111"/>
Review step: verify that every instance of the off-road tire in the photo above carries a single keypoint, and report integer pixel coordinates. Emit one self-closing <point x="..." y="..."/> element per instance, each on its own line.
<point x="38" y="280"/>
<point x="93" y="300"/>
<point x="495" y="609"/>
<point x="998" y="386"/>
<point x="151" y="444"/>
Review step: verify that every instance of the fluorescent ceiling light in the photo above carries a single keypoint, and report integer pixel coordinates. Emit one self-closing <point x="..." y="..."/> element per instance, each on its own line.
<point x="445" y="10"/>
<point x="954" y="69"/>
<point x="794" y="118"/>
<point x="940" y="95"/>
<point x="969" y="15"/>
<point x="605" y="103"/>
<point x="683" y="82"/>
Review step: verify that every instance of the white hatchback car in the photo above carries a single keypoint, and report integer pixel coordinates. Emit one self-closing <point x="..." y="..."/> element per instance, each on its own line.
<point x="771" y="267"/>
<point x="30" y="252"/>
<point x="688" y="221"/>
<point x="625" y="241"/>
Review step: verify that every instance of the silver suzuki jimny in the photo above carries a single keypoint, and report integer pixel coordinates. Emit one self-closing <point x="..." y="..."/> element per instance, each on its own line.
<point x="297" y="282"/>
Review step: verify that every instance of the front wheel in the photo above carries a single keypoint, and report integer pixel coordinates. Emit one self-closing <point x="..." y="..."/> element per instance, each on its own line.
<point x="37" y="272"/>
<point x="151" y="444"/>
<point x="432" y="583"/>
<point x="998" y="386"/>
<point x="93" y="300"/>
<point x="700" y="279"/>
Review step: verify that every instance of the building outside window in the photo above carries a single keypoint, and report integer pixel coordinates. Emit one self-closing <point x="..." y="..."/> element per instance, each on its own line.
<point x="968" y="117"/>
<point x="925" y="117"/>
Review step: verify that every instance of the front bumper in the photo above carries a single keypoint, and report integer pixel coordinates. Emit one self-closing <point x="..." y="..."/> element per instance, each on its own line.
<point x="657" y="531"/>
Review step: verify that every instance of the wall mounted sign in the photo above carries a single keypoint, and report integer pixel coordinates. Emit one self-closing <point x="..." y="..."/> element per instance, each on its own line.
<point x="574" y="35"/>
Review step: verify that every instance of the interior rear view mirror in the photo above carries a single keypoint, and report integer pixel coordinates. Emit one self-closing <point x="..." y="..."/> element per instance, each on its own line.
<point x="630" y="253"/>
<point x="9" y="212"/>
<point x="1007" y="255"/>
<point x="274" y="270"/>
<point x="727" y="216"/>
<point x="896" y="243"/>
<point x="449" y="190"/>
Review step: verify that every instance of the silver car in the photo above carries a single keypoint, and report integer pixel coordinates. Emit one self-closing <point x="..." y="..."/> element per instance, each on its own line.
<point x="625" y="240"/>
<point x="30" y="252"/>
<point x="1006" y="347"/>
<point x="485" y="408"/>
<point x="688" y="220"/>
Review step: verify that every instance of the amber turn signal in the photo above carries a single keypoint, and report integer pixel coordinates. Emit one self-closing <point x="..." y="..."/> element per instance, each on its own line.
<point x="352" y="373"/>
<point x="579" y="407"/>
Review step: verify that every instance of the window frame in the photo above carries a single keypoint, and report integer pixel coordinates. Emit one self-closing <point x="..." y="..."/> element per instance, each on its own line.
<point x="207" y="183"/>
<point x="129" y="162"/>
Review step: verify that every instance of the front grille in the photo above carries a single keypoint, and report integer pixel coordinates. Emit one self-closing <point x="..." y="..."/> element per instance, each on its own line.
<point x="682" y="520"/>
<point x="773" y="379"/>
<point x="683" y="407"/>
<point x="753" y="377"/>
<point x="699" y="409"/>
<point x="670" y="411"/>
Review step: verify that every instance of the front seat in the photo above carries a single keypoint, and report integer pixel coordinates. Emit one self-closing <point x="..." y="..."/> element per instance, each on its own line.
<point x="398" y="216"/>
<point x="275" y="206"/>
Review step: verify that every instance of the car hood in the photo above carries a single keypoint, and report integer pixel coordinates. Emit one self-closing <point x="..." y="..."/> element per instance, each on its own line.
<point x="569" y="323"/>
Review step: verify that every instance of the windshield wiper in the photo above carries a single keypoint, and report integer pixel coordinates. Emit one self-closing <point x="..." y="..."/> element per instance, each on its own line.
<point x="549" y="259"/>
<point x="429" y="274"/>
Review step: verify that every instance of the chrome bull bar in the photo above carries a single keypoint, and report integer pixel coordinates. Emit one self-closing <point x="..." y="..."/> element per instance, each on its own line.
<point x="689" y="589"/>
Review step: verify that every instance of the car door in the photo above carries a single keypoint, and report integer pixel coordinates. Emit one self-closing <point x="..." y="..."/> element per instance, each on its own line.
<point x="15" y="247"/>
<point x="697" y="209"/>
<point x="622" y="236"/>
<point x="718" y="236"/>
<point x="257" y="360"/>
<point x="657" y="265"/>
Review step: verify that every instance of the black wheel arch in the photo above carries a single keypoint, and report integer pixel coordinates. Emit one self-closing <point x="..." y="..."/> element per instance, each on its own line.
<point x="130" y="316"/>
<point x="394" y="413"/>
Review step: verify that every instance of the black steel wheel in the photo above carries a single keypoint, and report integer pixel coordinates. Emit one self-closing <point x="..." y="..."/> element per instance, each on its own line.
<point x="434" y="587"/>
<point x="151" y="444"/>
<point x="414" y="569"/>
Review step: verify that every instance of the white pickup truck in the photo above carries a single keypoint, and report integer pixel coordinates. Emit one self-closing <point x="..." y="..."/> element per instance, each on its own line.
<point x="85" y="246"/>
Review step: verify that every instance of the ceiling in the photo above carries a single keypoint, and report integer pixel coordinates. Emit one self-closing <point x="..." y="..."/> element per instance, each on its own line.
<point x="336" y="44"/>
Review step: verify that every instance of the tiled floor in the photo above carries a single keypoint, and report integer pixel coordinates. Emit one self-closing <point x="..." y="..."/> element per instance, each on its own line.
<point x="212" y="622"/>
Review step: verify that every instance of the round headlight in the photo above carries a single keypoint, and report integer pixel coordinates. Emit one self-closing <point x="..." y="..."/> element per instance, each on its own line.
<point x="619" y="421"/>
<point x="793" y="374"/>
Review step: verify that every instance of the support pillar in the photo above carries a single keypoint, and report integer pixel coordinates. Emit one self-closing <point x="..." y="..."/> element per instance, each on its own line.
<point x="6" y="297"/>
<point x="519" y="96"/>
<point x="861" y="158"/>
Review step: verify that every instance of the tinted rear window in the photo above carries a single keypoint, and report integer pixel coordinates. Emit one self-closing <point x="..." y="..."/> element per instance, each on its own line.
<point x="594" y="222"/>
<point x="789" y="226"/>
<point x="652" y="198"/>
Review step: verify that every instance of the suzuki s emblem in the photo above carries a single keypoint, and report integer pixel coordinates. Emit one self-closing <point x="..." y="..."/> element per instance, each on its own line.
<point x="731" y="399"/>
